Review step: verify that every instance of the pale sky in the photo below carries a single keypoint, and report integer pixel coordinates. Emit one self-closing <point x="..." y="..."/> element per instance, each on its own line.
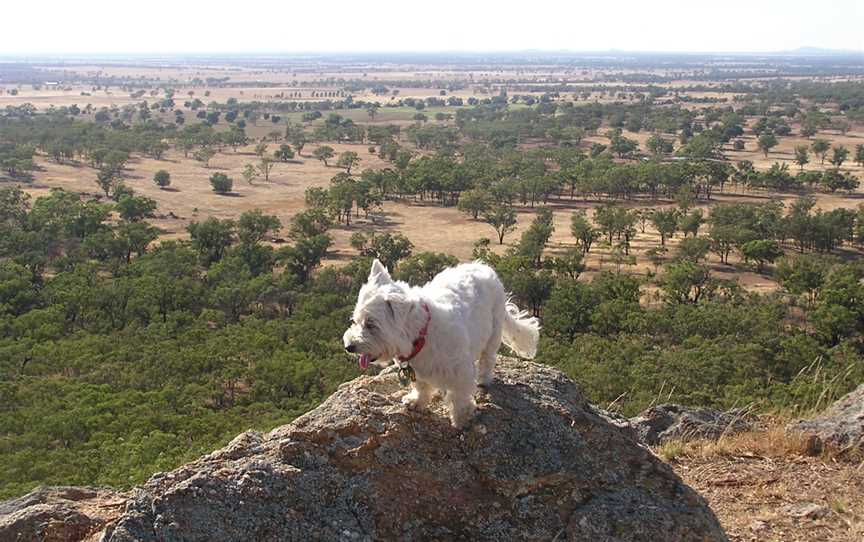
<point x="162" y="26"/>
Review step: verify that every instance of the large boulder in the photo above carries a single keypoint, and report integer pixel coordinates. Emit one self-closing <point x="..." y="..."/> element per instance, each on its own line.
<point x="57" y="514"/>
<point x="663" y="423"/>
<point x="841" y="426"/>
<point x="537" y="463"/>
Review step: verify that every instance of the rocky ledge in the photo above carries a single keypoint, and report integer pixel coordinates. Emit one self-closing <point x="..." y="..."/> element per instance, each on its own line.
<point x="840" y="427"/>
<point x="537" y="463"/>
<point x="57" y="514"/>
<point x="663" y="423"/>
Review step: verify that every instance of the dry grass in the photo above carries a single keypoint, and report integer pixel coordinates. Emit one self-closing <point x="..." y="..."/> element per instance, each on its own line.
<point x="772" y="441"/>
<point x="765" y="485"/>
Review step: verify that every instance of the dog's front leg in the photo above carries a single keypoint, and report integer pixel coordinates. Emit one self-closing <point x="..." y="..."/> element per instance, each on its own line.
<point x="419" y="396"/>
<point x="460" y="401"/>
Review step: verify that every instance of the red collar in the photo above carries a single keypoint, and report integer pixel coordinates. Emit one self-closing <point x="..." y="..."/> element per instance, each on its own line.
<point x="420" y="341"/>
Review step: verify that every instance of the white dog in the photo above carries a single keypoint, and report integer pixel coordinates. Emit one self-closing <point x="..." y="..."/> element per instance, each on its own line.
<point x="437" y="332"/>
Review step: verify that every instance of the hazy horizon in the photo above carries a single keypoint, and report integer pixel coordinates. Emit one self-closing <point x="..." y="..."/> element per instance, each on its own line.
<point x="99" y="27"/>
<point x="85" y="55"/>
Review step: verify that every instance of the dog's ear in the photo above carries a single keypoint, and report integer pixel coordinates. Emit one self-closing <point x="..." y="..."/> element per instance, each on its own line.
<point x="399" y="307"/>
<point x="378" y="274"/>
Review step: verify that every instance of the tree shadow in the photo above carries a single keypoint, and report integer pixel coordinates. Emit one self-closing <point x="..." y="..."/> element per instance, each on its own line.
<point x="168" y="216"/>
<point x="340" y="256"/>
<point x="71" y="163"/>
<point x="851" y="195"/>
<point x="22" y="179"/>
<point x="383" y="219"/>
<point x="739" y="195"/>
<point x="847" y="253"/>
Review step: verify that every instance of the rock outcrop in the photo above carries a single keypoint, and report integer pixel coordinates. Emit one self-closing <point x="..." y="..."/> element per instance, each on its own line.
<point x="537" y="463"/>
<point x="841" y="426"/>
<point x="55" y="514"/>
<point x="663" y="423"/>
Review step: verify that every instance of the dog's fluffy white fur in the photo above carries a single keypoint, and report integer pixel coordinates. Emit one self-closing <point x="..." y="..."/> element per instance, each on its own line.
<point x="469" y="315"/>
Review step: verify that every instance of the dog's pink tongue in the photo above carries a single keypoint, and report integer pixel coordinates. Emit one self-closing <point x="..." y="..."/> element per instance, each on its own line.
<point x="364" y="361"/>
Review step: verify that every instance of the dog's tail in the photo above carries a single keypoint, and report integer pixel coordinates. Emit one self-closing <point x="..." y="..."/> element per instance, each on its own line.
<point x="520" y="331"/>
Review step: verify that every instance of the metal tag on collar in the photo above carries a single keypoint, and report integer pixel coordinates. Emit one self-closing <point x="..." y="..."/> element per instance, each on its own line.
<point x="406" y="375"/>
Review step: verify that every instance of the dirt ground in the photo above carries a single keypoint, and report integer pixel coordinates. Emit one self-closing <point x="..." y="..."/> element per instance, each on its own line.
<point x="764" y="486"/>
<point x="796" y="499"/>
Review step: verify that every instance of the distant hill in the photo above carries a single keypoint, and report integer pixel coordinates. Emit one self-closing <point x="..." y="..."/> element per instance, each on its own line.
<point x="821" y="51"/>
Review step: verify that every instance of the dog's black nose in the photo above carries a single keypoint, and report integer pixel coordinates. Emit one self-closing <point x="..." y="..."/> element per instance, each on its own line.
<point x="351" y="348"/>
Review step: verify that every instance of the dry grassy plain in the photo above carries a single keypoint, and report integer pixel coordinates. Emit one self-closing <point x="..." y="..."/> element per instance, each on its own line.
<point x="429" y="226"/>
<point x="245" y="82"/>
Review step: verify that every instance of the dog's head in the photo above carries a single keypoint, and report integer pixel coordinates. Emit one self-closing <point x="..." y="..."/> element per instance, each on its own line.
<point x="378" y="326"/>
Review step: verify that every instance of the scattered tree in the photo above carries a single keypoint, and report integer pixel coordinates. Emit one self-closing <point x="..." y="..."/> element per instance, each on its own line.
<point x="766" y="142"/>
<point x="474" y="202"/>
<point x="221" y="183"/>
<point x="162" y="178"/>
<point x="249" y="173"/>
<point x="820" y="147"/>
<point x="665" y="221"/>
<point x="284" y="153"/>
<point x="204" y="155"/>
<point x="761" y="251"/>
<point x="323" y="153"/>
<point x="502" y="218"/>
<point x="802" y="157"/>
<point x="265" y="167"/>
<point x="348" y="159"/>
<point x="583" y="231"/>
<point x="839" y="155"/>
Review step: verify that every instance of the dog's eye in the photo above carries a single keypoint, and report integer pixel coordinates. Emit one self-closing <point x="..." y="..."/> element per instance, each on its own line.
<point x="370" y="325"/>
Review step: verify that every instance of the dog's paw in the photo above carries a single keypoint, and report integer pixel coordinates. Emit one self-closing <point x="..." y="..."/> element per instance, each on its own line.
<point x="459" y="418"/>
<point x="412" y="401"/>
<point x="485" y="380"/>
